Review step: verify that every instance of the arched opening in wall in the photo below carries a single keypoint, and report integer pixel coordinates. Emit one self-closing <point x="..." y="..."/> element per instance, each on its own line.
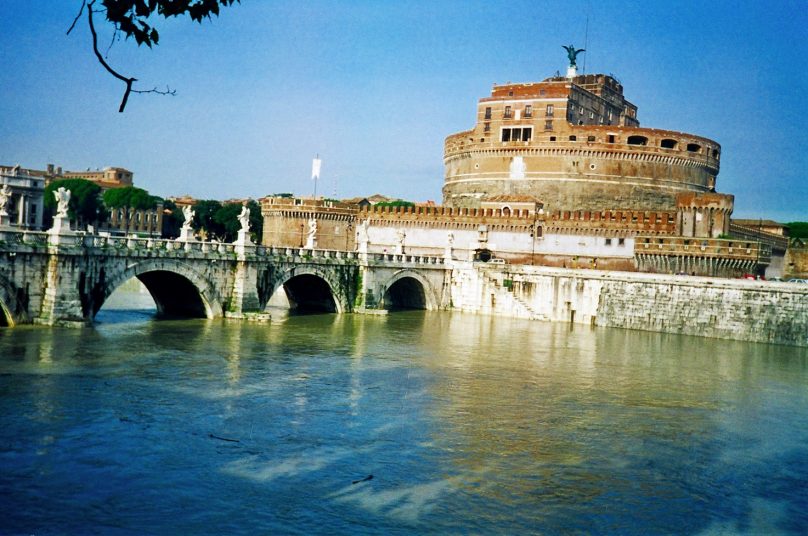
<point x="483" y="255"/>
<point x="405" y="294"/>
<point x="305" y="294"/>
<point x="668" y="143"/>
<point x="157" y="293"/>
<point x="637" y="140"/>
<point x="130" y="302"/>
<point x="693" y="147"/>
<point x="5" y="316"/>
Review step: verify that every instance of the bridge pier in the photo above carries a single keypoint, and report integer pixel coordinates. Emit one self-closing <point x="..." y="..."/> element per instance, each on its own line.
<point x="62" y="302"/>
<point x="244" y="300"/>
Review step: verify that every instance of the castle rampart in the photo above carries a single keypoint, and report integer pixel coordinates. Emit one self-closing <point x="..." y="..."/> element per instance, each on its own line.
<point x="573" y="144"/>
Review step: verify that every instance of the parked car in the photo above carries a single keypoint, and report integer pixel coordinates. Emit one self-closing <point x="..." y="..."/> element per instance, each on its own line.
<point x="797" y="280"/>
<point x="497" y="260"/>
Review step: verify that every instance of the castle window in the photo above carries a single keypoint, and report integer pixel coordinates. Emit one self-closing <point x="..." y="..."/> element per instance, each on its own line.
<point x="611" y="138"/>
<point x="548" y="125"/>
<point x="528" y="110"/>
<point x="552" y="138"/>
<point x="510" y="93"/>
<point x="487" y="127"/>
<point x="637" y="140"/>
<point x="549" y="112"/>
<point x="573" y="138"/>
<point x="608" y="241"/>
<point x="590" y="138"/>
<point x="517" y="134"/>
<point x="668" y="144"/>
<point x="694" y="147"/>
<point x="621" y="241"/>
<point x="541" y="92"/>
<point x="507" y="112"/>
<point x="488" y="113"/>
<point x="715" y="153"/>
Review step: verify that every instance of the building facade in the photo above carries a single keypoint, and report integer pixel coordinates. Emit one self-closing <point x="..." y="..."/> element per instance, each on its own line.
<point x="25" y="206"/>
<point x="574" y="144"/>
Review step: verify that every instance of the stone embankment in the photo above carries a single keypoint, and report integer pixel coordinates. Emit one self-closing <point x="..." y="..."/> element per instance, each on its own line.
<point x="757" y="311"/>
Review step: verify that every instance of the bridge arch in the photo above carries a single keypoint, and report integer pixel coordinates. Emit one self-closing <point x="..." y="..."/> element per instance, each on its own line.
<point x="408" y="289"/>
<point x="311" y="286"/>
<point x="10" y="308"/>
<point x="177" y="289"/>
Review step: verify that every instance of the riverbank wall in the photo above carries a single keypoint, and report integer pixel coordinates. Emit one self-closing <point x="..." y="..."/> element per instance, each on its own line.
<point x="756" y="311"/>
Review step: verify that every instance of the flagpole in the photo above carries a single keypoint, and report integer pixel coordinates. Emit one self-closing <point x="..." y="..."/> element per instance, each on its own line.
<point x="315" y="178"/>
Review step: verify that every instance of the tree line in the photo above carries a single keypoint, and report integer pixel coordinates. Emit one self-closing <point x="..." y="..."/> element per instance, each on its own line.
<point x="90" y="205"/>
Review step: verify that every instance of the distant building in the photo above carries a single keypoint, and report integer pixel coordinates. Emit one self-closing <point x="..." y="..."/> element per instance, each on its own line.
<point x="26" y="205"/>
<point x="144" y="222"/>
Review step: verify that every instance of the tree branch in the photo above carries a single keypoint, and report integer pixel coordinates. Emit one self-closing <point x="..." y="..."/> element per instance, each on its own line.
<point x="81" y="9"/>
<point x="127" y="80"/>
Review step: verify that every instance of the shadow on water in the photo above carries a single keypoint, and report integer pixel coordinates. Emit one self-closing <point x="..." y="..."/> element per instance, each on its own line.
<point x="129" y="303"/>
<point x="467" y="423"/>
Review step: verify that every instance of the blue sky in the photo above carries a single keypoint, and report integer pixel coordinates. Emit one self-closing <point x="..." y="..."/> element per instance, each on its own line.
<point x="375" y="86"/>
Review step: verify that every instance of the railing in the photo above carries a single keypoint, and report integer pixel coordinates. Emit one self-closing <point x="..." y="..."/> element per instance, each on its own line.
<point x="746" y="232"/>
<point x="117" y="245"/>
<point x="703" y="247"/>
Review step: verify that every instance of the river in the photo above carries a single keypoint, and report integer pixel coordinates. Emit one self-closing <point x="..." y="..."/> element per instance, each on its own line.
<point x="467" y="424"/>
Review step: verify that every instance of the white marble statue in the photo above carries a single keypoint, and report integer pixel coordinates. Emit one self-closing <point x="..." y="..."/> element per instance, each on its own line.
<point x="362" y="232"/>
<point x="312" y="229"/>
<point x="400" y="236"/>
<point x="62" y="196"/>
<point x="5" y="195"/>
<point x="244" y="218"/>
<point x="188" y="212"/>
<point x="450" y="238"/>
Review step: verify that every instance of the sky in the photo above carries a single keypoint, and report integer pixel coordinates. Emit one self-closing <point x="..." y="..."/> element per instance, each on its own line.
<point x="374" y="87"/>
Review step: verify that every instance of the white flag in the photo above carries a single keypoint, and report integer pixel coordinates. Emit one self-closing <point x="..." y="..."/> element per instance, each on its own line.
<point x="315" y="168"/>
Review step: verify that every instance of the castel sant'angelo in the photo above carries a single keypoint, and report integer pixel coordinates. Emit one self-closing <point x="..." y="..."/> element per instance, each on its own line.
<point x="554" y="173"/>
<point x="574" y="143"/>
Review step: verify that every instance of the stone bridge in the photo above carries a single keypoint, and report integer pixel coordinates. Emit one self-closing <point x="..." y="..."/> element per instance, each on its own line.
<point x="65" y="279"/>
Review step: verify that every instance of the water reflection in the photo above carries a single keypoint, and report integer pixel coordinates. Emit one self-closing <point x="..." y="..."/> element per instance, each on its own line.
<point x="467" y="424"/>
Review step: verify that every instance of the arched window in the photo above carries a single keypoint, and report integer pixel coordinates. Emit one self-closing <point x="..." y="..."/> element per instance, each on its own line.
<point x="668" y="143"/>
<point x="694" y="147"/>
<point x="637" y="140"/>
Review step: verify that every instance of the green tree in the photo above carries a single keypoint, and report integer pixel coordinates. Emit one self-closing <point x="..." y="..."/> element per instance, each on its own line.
<point x="227" y="218"/>
<point x="172" y="219"/>
<point x="396" y="203"/>
<point x="204" y="220"/>
<point x="134" y="18"/>
<point x="798" y="229"/>
<point x="129" y="198"/>
<point x="85" y="206"/>
<point x="256" y="221"/>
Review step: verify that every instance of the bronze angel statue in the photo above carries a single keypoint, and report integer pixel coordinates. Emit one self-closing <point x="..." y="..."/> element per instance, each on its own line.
<point x="572" y="54"/>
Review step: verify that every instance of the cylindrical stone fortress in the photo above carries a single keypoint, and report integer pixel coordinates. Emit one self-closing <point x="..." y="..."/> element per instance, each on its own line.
<point x="573" y="144"/>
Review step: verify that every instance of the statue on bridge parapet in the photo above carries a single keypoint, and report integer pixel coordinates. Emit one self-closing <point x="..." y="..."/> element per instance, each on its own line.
<point x="61" y="223"/>
<point x="400" y="236"/>
<point x="62" y="196"/>
<point x="447" y="253"/>
<point x="244" y="218"/>
<point x="362" y="236"/>
<point x="187" y="232"/>
<point x="311" y="234"/>
<point x="5" y="195"/>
